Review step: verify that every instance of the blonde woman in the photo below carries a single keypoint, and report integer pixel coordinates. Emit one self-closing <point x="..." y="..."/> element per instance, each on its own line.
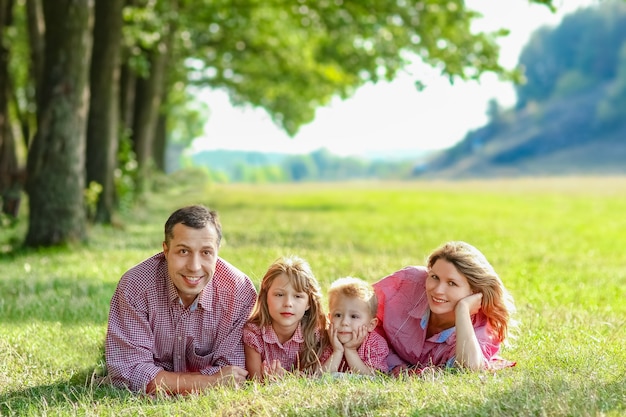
<point x="454" y="312"/>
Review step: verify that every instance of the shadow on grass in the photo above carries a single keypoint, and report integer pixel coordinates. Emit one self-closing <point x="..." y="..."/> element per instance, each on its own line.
<point x="66" y="301"/>
<point x="78" y="393"/>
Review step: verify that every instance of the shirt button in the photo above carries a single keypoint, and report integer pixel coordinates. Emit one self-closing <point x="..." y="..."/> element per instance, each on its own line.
<point x="178" y="357"/>
<point x="180" y="338"/>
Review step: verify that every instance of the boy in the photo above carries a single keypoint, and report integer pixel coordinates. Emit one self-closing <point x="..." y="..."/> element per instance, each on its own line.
<point x="353" y="346"/>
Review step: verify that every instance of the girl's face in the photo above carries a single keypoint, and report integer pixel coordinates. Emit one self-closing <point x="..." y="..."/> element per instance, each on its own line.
<point x="445" y="286"/>
<point x="286" y="305"/>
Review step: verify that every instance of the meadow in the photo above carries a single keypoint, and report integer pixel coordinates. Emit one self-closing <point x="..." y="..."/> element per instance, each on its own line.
<point x="559" y="245"/>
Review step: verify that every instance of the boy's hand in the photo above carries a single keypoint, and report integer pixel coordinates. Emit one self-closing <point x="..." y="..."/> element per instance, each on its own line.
<point x="334" y="339"/>
<point x="358" y="337"/>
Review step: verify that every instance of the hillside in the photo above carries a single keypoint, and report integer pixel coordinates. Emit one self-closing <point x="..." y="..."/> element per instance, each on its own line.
<point x="558" y="137"/>
<point x="570" y="115"/>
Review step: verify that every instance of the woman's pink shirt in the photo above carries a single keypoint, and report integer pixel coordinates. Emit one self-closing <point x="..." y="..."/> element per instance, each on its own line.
<point x="403" y="314"/>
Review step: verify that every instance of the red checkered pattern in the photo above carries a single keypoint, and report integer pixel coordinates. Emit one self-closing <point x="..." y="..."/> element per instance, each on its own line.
<point x="149" y="330"/>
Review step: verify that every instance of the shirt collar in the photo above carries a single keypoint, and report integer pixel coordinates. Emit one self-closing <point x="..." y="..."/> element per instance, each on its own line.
<point x="270" y="336"/>
<point x="174" y="298"/>
<point x="441" y="336"/>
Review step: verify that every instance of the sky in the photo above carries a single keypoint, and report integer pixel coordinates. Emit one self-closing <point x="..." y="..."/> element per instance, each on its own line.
<point x="391" y="117"/>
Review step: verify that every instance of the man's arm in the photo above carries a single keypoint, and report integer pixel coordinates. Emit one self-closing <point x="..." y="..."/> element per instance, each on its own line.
<point x="195" y="382"/>
<point x="228" y="346"/>
<point x="129" y="344"/>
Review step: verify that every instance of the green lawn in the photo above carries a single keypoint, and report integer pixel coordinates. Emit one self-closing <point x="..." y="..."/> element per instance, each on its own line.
<point x="558" y="244"/>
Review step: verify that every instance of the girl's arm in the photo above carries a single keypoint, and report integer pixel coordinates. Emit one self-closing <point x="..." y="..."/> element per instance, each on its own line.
<point x="254" y="364"/>
<point x="468" y="351"/>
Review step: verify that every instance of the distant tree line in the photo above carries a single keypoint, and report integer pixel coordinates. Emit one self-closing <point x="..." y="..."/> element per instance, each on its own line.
<point x="320" y="165"/>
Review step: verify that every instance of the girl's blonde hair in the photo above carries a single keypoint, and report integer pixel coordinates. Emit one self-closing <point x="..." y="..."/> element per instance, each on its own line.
<point x="314" y="321"/>
<point x="497" y="303"/>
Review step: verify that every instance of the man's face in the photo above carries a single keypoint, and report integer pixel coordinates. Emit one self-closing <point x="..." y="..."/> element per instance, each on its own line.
<point x="191" y="257"/>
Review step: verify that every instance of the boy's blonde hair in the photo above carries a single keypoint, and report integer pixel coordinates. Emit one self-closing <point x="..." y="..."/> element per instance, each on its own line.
<point x="353" y="287"/>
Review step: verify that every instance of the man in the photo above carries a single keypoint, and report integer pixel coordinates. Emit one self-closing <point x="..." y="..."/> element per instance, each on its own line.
<point x="176" y="319"/>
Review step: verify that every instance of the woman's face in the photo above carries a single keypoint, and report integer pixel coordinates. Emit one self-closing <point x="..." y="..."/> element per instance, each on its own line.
<point x="445" y="286"/>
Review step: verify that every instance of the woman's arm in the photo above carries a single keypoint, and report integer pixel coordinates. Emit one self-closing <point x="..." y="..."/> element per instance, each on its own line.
<point x="468" y="351"/>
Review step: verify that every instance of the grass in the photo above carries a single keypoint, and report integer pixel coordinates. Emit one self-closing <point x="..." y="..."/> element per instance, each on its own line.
<point x="558" y="244"/>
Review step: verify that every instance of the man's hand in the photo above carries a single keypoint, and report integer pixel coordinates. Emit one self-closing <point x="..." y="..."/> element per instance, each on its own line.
<point x="231" y="376"/>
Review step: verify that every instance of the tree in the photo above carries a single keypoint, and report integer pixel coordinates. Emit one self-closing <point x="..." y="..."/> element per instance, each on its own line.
<point x="286" y="57"/>
<point x="9" y="186"/>
<point x="567" y="59"/>
<point x="56" y="159"/>
<point x="103" y="121"/>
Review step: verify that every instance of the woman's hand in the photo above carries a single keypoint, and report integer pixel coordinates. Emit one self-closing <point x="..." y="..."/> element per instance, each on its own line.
<point x="399" y="370"/>
<point x="471" y="304"/>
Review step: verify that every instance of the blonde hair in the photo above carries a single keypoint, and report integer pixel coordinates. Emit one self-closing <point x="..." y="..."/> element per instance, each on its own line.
<point x="353" y="287"/>
<point x="314" y="321"/>
<point x="497" y="303"/>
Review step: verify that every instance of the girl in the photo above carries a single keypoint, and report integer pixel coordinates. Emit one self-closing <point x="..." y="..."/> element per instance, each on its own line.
<point x="287" y="328"/>
<point x="455" y="312"/>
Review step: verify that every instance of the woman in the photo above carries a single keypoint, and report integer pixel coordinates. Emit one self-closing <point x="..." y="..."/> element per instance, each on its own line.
<point x="455" y="312"/>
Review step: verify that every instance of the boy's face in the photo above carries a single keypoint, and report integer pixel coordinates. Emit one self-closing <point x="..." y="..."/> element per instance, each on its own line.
<point x="348" y="314"/>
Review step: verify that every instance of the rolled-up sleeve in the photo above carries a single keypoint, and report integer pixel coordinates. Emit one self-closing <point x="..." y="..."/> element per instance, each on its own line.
<point x="129" y="345"/>
<point x="235" y="305"/>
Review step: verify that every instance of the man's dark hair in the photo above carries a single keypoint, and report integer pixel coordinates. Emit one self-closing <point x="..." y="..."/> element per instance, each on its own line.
<point x="195" y="216"/>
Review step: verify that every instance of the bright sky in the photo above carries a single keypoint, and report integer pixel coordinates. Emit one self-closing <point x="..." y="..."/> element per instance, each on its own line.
<point x="391" y="116"/>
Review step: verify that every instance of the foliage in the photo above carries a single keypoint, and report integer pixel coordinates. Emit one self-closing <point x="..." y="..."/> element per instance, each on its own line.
<point x="569" y="118"/>
<point x="291" y="58"/>
<point x="611" y="109"/>
<point x="22" y="90"/>
<point x="572" y="48"/>
<point x="125" y="174"/>
<point x="564" y="268"/>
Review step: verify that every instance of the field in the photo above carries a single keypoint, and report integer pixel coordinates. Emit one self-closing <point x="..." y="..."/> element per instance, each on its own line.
<point x="558" y="244"/>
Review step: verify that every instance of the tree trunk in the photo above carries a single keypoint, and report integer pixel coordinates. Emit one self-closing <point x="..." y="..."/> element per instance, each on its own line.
<point x="128" y="82"/>
<point x="160" y="142"/>
<point x="36" y="30"/>
<point x="147" y="104"/>
<point x="103" y="123"/>
<point x="56" y="161"/>
<point x="10" y="175"/>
